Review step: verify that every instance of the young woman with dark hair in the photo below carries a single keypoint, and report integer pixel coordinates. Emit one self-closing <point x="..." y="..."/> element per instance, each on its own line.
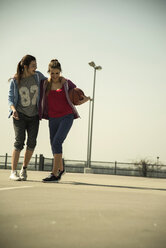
<point x="59" y="110"/>
<point x="23" y="100"/>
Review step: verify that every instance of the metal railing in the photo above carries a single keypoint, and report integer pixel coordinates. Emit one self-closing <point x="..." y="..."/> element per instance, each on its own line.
<point x="41" y="163"/>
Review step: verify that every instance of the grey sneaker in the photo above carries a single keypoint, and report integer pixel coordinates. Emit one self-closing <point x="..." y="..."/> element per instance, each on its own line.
<point x="23" y="174"/>
<point x="14" y="176"/>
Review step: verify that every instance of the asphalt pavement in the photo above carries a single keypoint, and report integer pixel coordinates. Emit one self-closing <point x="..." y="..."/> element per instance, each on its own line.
<point x="82" y="211"/>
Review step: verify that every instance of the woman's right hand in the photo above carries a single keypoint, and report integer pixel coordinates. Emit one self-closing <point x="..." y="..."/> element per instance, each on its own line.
<point x="62" y="80"/>
<point x="15" y="115"/>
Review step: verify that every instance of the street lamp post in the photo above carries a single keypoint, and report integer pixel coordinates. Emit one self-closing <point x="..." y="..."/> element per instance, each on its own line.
<point x="89" y="127"/>
<point x="158" y="160"/>
<point x="91" y="113"/>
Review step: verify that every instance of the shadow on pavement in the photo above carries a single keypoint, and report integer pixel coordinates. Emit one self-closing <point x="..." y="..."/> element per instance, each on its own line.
<point x="110" y="186"/>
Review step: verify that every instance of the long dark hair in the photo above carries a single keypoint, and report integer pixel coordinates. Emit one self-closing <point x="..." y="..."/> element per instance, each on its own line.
<point x="54" y="64"/>
<point x="26" y="60"/>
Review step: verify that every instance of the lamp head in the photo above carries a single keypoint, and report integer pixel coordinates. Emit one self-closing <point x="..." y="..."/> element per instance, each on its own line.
<point x="92" y="64"/>
<point x="98" y="67"/>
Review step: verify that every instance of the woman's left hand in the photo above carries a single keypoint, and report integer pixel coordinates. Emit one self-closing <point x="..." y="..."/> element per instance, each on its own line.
<point x="85" y="99"/>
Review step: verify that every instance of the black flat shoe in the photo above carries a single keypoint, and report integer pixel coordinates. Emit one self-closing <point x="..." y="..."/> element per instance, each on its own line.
<point x="51" y="179"/>
<point x="61" y="173"/>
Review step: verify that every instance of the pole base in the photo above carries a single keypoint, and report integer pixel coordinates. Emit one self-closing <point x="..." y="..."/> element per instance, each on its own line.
<point x="88" y="170"/>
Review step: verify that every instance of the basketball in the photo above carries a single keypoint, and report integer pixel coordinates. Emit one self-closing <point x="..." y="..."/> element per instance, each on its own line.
<point x="76" y="95"/>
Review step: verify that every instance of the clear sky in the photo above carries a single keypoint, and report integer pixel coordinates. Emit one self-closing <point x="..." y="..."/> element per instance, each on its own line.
<point x="127" y="38"/>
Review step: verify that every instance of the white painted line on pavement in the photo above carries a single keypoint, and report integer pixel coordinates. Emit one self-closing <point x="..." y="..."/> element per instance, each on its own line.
<point x="21" y="187"/>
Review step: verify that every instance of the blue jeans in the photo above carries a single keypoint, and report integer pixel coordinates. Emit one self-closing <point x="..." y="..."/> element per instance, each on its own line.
<point x="59" y="128"/>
